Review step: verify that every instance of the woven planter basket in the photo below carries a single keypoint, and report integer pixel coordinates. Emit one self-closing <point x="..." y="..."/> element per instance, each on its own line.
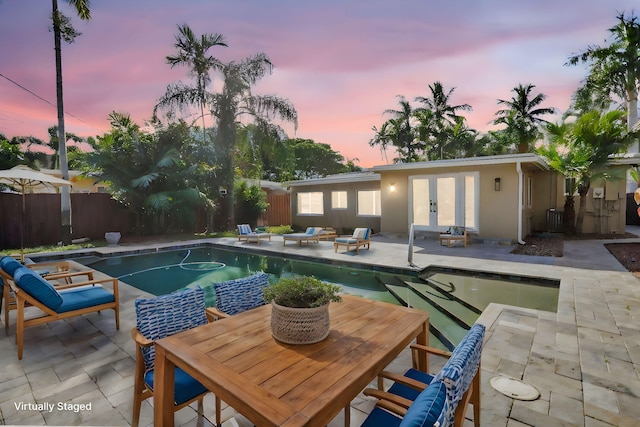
<point x="299" y="325"/>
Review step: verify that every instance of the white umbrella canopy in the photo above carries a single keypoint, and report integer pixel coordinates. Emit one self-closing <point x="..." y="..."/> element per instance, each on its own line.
<point x="25" y="179"/>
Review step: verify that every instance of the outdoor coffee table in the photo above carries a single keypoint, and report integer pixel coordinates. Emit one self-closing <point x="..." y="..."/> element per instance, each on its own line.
<point x="276" y="384"/>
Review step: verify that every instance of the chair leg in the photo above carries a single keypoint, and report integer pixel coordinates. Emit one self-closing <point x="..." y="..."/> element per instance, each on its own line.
<point x="135" y="417"/>
<point x="20" y="327"/>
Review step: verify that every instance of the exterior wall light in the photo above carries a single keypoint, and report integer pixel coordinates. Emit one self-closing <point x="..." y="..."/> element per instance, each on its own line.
<point x="392" y="187"/>
<point x="496" y="184"/>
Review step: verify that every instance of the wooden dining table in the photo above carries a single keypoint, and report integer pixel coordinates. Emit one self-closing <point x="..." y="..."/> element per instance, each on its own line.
<point x="276" y="384"/>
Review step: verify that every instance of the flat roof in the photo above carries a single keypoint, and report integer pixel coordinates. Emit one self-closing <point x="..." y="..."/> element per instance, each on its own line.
<point x="467" y="161"/>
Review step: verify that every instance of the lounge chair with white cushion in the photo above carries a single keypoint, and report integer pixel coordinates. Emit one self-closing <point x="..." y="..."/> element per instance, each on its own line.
<point x="245" y="233"/>
<point x="312" y="234"/>
<point x="360" y="237"/>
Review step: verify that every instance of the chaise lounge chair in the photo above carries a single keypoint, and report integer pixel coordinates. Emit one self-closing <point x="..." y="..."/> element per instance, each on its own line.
<point x="360" y="237"/>
<point x="56" y="272"/>
<point x="312" y="234"/>
<point x="61" y="302"/>
<point x="245" y="233"/>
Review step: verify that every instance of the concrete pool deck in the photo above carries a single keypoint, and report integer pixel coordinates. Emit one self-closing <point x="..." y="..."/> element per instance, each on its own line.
<point x="584" y="359"/>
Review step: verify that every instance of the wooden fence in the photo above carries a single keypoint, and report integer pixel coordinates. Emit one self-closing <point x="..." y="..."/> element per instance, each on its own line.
<point x="279" y="210"/>
<point x="92" y="215"/>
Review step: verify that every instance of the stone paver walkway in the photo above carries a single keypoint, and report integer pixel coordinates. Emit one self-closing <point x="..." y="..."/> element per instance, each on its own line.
<point x="584" y="359"/>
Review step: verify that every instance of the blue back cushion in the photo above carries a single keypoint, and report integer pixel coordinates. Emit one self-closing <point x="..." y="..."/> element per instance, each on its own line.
<point x="461" y="367"/>
<point x="310" y="231"/>
<point x="9" y="265"/>
<point x="429" y="408"/>
<point x="167" y="315"/>
<point x="244" y="229"/>
<point x="31" y="282"/>
<point x="236" y="296"/>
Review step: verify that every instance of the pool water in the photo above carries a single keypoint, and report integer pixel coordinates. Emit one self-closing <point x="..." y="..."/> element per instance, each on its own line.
<point x="454" y="299"/>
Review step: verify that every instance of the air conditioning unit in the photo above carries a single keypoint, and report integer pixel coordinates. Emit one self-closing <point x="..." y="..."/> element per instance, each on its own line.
<point x="598" y="193"/>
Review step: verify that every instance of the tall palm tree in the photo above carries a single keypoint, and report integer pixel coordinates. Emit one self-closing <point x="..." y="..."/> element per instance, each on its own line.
<point x="236" y="100"/>
<point x="522" y="115"/>
<point x="62" y="29"/>
<point x="442" y="116"/>
<point x="401" y="132"/>
<point x="615" y="69"/>
<point x="193" y="53"/>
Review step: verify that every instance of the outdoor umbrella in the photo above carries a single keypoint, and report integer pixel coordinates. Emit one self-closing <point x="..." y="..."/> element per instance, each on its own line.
<point x="24" y="178"/>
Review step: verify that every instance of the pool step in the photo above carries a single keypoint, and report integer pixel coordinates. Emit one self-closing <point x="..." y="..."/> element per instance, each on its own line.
<point x="450" y="290"/>
<point x="449" y="331"/>
<point x="464" y="314"/>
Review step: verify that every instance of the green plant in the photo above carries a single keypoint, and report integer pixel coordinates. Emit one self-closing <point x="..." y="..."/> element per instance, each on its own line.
<point x="279" y="229"/>
<point x="302" y="292"/>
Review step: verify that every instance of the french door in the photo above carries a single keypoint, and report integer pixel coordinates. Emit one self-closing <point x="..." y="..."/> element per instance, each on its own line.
<point x="440" y="201"/>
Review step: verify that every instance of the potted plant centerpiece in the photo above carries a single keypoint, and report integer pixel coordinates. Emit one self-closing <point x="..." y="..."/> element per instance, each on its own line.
<point x="300" y="308"/>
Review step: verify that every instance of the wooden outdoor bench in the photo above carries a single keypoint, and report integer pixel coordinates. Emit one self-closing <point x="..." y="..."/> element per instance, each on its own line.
<point x="455" y="234"/>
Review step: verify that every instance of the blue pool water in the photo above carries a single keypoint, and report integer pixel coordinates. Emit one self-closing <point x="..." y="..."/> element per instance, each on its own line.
<point x="454" y="299"/>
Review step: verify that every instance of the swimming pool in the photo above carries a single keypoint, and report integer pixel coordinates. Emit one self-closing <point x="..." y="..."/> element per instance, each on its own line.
<point x="454" y="298"/>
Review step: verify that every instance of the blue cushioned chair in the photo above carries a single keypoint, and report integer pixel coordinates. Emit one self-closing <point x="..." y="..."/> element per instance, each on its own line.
<point x="157" y="318"/>
<point x="311" y="234"/>
<point x="245" y="233"/>
<point x="461" y="376"/>
<point x="52" y="271"/>
<point x="428" y="409"/>
<point x="360" y="237"/>
<point x="61" y="302"/>
<point x="236" y="296"/>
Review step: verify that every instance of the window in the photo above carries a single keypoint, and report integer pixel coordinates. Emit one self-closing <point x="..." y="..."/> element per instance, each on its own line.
<point x="369" y="203"/>
<point x="338" y="200"/>
<point x="310" y="203"/>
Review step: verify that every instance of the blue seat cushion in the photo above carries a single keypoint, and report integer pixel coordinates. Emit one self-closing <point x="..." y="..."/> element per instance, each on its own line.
<point x="185" y="386"/>
<point x="31" y="282"/>
<point x="429" y="408"/>
<point x="85" y="297"/>
<point x="10" y="265"/>
<point x="236" y="296"/>
<point x="346" y="240"/>
<point x="410" y="392"/>
<point x="381" y="418"/>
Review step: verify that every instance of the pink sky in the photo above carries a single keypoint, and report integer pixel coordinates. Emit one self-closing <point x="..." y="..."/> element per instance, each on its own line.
<point x="341" y="63"/>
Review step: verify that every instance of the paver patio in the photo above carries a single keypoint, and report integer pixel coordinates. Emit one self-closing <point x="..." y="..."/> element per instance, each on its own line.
<point x="584" y="359"/>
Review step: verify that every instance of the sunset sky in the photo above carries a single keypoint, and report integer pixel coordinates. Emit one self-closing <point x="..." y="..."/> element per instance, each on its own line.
<point x="341" y="63"/>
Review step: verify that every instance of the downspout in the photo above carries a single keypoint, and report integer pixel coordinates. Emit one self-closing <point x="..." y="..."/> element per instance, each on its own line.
<point x="520" y="204"/>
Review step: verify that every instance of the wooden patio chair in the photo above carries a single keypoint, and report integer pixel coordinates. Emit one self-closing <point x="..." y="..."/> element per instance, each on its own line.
<point x="61" y="302"/>
<point x="157" y="318"/>
<point x="417" y="395"/>
<point x="58" y="272"/>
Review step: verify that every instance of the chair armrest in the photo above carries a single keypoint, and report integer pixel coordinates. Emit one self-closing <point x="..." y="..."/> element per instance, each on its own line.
<point x="392" y="402"/>
<point x="69" y="275"/>
<point x="214" y="314"/>
<point x="140" y="339"/>
<point x="113" y="280"/>
<point x="401" y="379"/>
<point x="417" y="348"/>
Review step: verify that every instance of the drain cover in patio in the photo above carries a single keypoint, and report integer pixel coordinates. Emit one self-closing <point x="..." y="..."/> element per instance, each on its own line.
<point x="514" y="388"/>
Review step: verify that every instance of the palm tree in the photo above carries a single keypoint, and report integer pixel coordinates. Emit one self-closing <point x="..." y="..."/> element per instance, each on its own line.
<point x="522" y="115"/>
<point x="62" y="29"/>
<point x="193" y="53"/>
<point x="401" y="132"/>
<point x="580" y="151"/>
<point x="443" y="116"/>
<point x="236" y="100"/>
<point x="615" y="69"/>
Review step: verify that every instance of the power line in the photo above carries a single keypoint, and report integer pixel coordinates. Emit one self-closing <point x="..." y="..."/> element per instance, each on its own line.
<point x="40" y="98"/>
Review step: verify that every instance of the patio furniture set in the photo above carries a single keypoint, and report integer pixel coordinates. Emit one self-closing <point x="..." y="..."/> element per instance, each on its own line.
<point x="361" y="237"/>
<point x="185" y="350"/>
